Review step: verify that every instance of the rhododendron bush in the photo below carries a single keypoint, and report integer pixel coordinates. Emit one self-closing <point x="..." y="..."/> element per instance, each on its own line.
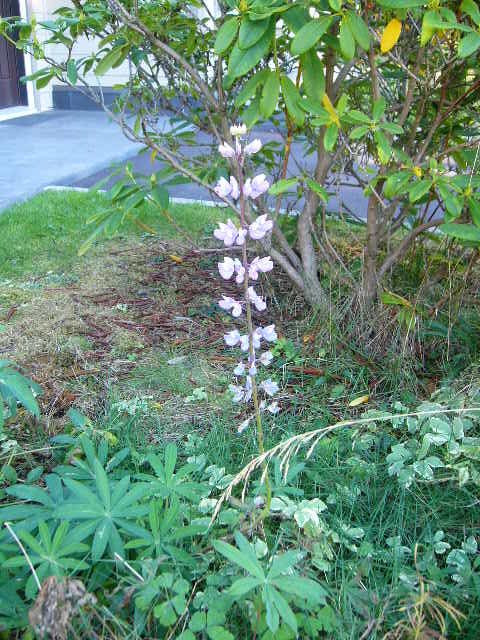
<point x="378" y="94"/>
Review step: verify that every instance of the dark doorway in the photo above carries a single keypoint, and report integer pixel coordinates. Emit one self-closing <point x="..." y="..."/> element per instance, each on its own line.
<point x="12" y="91"/>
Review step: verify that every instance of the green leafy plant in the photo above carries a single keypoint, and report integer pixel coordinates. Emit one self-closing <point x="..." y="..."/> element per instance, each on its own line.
<point x="16" y="389"/>
<point x="276" y="588"/>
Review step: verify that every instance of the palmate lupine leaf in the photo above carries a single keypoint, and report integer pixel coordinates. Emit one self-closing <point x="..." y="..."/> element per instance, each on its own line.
<point x="275" y="587"/>
<point x="52" y="553"/>
<point x="169" y="483"/>
<point x="106" y="510"/>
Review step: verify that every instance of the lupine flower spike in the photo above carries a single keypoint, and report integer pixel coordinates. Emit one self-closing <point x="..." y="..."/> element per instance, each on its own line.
<point x="246" y="273"/>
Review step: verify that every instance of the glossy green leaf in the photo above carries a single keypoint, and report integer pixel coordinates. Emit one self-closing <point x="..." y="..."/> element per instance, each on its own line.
<point x="317" y="188"/>
<point x="113" y="57"/>
<point x="474" y="207"/>
<point x="466" y="232"/>
<point x="44" y="81"/>
<point x="391" y="127"/>
<point x="292" y="100"/>
<point x="226" y="35"/>
<point x="359" y="132"/>
<point x="419" y="189"/>
<point x="471" y="9"/>
<point x="383" y="146"/>
<point x="397" y="183"/>
<point x="346" y="39"/>
<point x="72" y="73"/>
<point x="330" y="138"/>
<point x="378" y="109"/>
<point x="251" y="86"/>
<point x="242" y="61"/>
<point x="252" y="114"/>
<point x="358" y="116"/>
<point x="270" y="95"/>
<point x="251" y="31"/>
<point x="282" y="186"/>
<point x="469" y="44"/>
<point x="308" y="36"/>
<point x="359" y="30"/>
<point x="313" y="77"/>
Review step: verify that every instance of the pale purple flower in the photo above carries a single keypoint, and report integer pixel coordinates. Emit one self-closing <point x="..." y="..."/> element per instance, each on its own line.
<point x="269" y="333"/>
<point x="239" y="369"/>
<point x="248" y="389"/>
<point x="242" y="234"/>
<point x="269" y="386"/>
<point x="226" y="268"/>
<point x="260" y="227"/>
<point x="244" y="425"/>
<point x="223" y="188"/>
<point x="255" y="187"/>
<point x="234" y="191"/>
<point x="253" y="147"/>
<point x="226" y="232"/>
<point x="258" y="301"/>
<point x="266" y="358"/>
<point x="240" y="271"/>
<point x="230" y="304"/>
<point x="226" y="151"/>
<point x="238" y="129"/>
<point x="259" y="265"/>
<point x="232" y="338"/>
<point x="237" y="392"/>
<point x="252" y="371"/>
<point x="273" y="408"/>
<point x="245" y="341"/>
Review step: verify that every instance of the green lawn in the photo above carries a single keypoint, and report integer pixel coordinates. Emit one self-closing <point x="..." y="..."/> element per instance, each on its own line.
<point x="44" y="233"/>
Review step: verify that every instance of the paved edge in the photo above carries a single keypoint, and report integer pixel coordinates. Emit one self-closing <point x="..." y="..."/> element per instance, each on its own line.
<point x="70" y="177"/>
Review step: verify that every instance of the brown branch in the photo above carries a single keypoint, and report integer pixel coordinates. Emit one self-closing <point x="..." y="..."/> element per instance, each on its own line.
<point x="402" y="248"/>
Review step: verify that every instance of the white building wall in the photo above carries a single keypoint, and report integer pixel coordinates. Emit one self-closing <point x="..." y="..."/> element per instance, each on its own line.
<point x="41" y="99"/>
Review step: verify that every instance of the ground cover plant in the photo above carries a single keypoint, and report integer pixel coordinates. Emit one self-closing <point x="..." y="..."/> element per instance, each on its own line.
<point x="111" y="493"/>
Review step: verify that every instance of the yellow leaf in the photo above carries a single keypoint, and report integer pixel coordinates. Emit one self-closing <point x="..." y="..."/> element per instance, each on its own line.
<point x="153" y="156"/>
<point x="112" y="438"/>
<point x="390" y="35"/>
<point x="331" y="109"/>
<point x="175" y="258"/>
<point x="418" y="171"/>
<point x="360" y="400"/>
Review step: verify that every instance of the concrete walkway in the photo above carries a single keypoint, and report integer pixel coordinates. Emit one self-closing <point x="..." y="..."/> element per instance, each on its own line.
<point x="56" y="147"/>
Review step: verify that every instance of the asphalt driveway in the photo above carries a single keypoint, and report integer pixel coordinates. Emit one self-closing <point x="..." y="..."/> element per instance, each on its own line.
<point x="80" y="148"/>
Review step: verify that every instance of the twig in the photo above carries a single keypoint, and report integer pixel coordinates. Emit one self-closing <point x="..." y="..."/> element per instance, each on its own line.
<point x="126" y="564"/>
<point x="23" y="550"/>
